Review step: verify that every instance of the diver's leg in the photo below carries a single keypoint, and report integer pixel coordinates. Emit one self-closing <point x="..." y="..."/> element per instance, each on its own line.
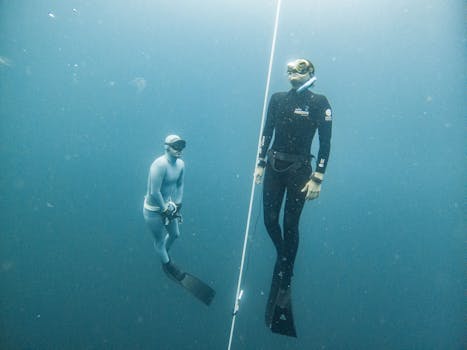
<point x="174" y="233"/>
<point x="155" y="223"/>
<point x="273" y="195"/>
<point x="295" y="200"/>
<point x="279" y="315"/>
<point x="169" y="267"/>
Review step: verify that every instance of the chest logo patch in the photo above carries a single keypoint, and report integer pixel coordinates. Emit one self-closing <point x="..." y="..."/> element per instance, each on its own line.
<point x="301" y="112"/>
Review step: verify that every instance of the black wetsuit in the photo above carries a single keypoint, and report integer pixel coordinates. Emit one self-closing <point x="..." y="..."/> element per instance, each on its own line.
<point x="293" y="120"/>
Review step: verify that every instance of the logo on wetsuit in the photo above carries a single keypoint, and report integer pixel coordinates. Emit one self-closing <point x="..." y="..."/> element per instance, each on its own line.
<point x="328" y="115"/>
<point x="302" y="112"/>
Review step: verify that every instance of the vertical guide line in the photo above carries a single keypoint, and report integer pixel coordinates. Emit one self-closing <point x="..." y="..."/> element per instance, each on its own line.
<point x="252" y="194"/>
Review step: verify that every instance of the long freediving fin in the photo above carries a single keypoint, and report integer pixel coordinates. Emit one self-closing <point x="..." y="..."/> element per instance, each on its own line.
<point x="191" y="283"/>
<point x="282" y="317"/>
<point x="198" y="288"/>
<point x="279" y="315"/>
<point x="275" y="283"/>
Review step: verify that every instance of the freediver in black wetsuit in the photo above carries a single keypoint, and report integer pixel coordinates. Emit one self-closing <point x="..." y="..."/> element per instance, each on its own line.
<point x="293" y="118"/>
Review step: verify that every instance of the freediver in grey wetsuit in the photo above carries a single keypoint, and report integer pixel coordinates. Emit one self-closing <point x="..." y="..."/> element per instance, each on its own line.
<point x="162" y="205"/>
<point x="163" y="200"/>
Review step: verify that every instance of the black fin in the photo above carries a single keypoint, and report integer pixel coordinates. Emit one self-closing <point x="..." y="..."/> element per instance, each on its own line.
<point x="198" y="288"/>
<point x="173" y="271"/>
<point x="192" y="284"/>
<point x="282" y="318"/>
<point x="275" y="284"/>
<point x="279" y="315"/>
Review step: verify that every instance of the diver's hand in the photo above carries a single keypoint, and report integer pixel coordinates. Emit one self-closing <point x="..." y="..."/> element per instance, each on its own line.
<point x="169" y="213"/>
<point x="176" y="213"/>
<point x="170" y="209"/>
<point x="178" y="207"/>
<point x="312" y="187"/>
<point x="259" y="171"/>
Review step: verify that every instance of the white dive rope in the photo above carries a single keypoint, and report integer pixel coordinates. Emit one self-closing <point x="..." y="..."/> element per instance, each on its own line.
<point x="252" y="195"/>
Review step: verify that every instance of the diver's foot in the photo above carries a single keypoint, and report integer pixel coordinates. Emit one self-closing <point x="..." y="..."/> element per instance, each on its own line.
<point x="173" y="271"/>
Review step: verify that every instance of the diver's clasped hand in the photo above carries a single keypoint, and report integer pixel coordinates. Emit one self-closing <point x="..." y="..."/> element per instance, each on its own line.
<point x="170" y="208"/>
<point x="171" y="212"/>
<point x="313" y="186"/>
<point x="258" y="175"/>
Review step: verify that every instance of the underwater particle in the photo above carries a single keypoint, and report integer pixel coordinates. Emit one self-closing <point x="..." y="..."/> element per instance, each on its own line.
<point x="429" y="99"/>
<point x="5" y="61"/>
<point x="49" y="205"/>
<point x="75" y="11"/>
<point x="139" y="83"/>
<point x="51" y="14"/>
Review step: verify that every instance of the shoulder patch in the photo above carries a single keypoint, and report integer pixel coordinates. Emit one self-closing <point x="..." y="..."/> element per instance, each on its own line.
<point x="328" y="114"/>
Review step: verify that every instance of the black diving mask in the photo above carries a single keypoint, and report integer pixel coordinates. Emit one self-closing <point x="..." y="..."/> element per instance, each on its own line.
<point x="178" y="145"/>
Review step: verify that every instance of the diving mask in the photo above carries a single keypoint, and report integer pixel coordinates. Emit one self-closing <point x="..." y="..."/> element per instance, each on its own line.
<point x="300" y="66"/>
<point x="175" y="142"/>
<point x="178" y="145"/>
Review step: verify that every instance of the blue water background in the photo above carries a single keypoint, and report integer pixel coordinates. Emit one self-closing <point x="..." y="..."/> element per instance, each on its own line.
<point x="88" y="91"/>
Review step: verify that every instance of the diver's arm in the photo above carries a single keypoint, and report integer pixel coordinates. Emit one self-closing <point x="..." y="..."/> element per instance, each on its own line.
<point x="313" y="186"/>
<point x="268" y="131"/>
<point x="157" y="173"/>
<point x="324" y="133"/>
<point x="180" y="186"/>
<point x="266" y="138"/>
